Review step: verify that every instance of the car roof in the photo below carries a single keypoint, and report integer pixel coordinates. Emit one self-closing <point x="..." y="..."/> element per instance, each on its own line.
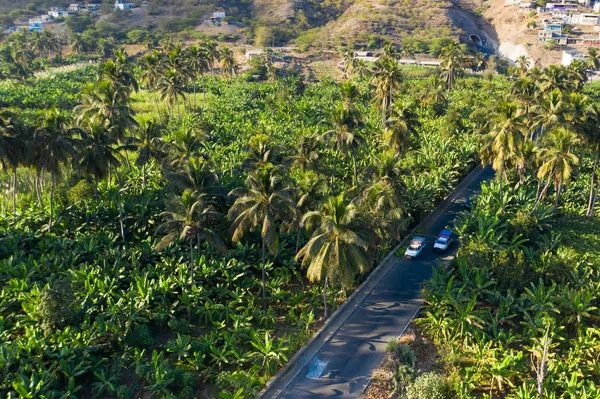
<point x="446" y="233"/>
<point x="419" y="240"/>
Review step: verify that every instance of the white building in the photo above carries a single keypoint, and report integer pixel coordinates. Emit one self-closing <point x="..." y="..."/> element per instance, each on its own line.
<point x="588" y="19"/>
<point x="568" y="56"/>
<point x="58" y="13"/>
<point x="75" y="7"/>
<point x="121" y="5"/>
<point x="218" y="15"/>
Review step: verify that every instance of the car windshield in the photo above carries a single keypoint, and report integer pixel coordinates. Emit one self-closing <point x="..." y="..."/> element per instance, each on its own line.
<point x="442" y="240"/>
<point x="413" y="247"/>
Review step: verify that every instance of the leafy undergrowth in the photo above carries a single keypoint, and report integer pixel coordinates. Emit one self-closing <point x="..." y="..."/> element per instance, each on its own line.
<point x="391" y="379"/>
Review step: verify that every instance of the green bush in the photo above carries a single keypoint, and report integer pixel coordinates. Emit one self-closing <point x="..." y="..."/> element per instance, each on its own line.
<point x="428" y="386"/>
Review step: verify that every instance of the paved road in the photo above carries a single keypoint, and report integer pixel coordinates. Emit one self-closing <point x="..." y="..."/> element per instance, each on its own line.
<point x="347" y="358"/>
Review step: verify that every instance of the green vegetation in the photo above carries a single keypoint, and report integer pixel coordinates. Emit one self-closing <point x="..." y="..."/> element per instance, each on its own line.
<point x="190" y="248"/>
<point x="515" y="314"/>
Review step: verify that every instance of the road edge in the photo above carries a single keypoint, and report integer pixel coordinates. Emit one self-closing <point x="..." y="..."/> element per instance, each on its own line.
<point x="383" y="266"/>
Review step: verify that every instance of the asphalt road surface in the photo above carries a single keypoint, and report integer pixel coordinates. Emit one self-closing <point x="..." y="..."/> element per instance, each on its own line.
<point x="343" y="365"/>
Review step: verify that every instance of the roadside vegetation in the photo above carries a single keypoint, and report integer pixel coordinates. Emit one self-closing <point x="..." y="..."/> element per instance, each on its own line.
<point x="515" y="315"/>
<point x="170" y="229"/>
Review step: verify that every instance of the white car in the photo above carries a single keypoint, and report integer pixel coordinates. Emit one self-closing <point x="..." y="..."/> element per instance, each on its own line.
<point x="444" y="240"/>
<point x="415" y="248"/>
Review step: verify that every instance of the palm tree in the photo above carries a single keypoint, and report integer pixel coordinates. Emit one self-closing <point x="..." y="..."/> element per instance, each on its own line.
<point x="337" y="250"/>
<point x="53" y="147"/>
<point x="110" y="102"/>
<point x="350" y="61"/>
<point x="198" y="63"/>
<point x="592" y="60"/>
<point x="557" y="159"/>
<point x="190" y="219"/>
<point x="119" y="72"/>
<point x="505" y="138"/>
<point x="307" y="152"/>
<point x="343" y="137"/>
<point x="452" y="59"/>
<point x="434" y="94"/>
<point x="106" y="47"/>
<point x="151" y="68"/>
<point x="171" y="88"/>
<point x="78" y="44"/>
<point x="148" y="144"/>
<point x="383" y="197"/>
<point x="13" y="149"/>
<point x="387" y="77"/>
<point x="591" y="136"/>
<point x="261" y="205"/>
<point x="228" y="61"/>
<point x="404" y="121"/>
<point x="479" y="61"/>
<point x="522" y="65"/>
<point x="550" y="111"/>
<point x="196" y="174"/>
<point x="98" y="150"/>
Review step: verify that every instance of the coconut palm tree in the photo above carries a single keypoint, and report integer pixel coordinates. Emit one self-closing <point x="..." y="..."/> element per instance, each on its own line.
<point x="148" y="143"/>
<point x="54" y="146"/>
<point x="110" y="103"/>
<point x="264" y="202"/>
<point x="591" y="137"/>
<point x="78" y="44"/>
<point x="452" y="60"/>
<point x="337" y="250"/>
<point x="350" y="61"/>
<point x="190" y="219"/>
<point x="171" y="88"/>
<point x="434" y="94"/>
<point x="557" y="159"/>
<point x="306" y="155"/>
<point x="592" y="59"/>
<point x="228" y="63"/>
<point x="550" y="111"/>
<point x="522" y="65"/>
<point x="98" y="150"/>
<point x="344" y="138"/>
<point x="198" y="64"/>
<point x="151" y="69"/>
<point x="403" y="122"/>
<point x="387" y="77"/>
<point x="13" y="149"/>
<point x="505" y="138"/>
<point x="119" y="72"/>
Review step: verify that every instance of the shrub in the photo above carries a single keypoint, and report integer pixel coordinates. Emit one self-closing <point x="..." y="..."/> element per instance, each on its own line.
<point x="428" y="386"/>
<point x="55" y="304"/>
<point x="140" y="336"/>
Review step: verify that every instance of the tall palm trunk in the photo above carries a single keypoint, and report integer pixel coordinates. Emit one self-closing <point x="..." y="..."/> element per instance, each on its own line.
<point x="51" y="202"/>
<point x="557" y="199"/>
<point x="144" y="176"/>
<point x="203" y="91"/>
<point x="37" y="189"/>
<point x="501" y="183"/>
<point x="354" y="166"/>
<point x="264" y="275"/>
<point x="14" y="188"/>
<point x="325" y="313"/>
<point x="593" y="188"/>
<point x="157" y="108"/>
<point x="540" y="197"/>
<point x="192" y="260"/>
<point x="96" y="189"/>
<point x="120" y="206"/>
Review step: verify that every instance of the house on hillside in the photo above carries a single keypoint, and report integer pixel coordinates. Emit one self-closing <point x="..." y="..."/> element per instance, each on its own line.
<point x="253" y="53"/>
<point x="75" y="7"/>
<point x="560" y="38"/>
<point x="56" y="12"/>
<point x="553" y="26"/>
<point x="121" y="5"/>
<point x="588" y="19"/>
<point x="38" y="24"/>
<point x="568" y="56"/>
